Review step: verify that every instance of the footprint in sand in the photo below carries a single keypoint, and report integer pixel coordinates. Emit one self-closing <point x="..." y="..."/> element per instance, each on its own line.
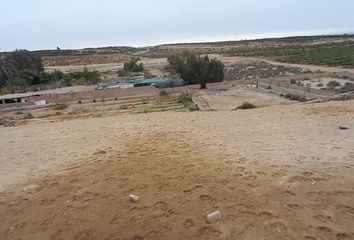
<point x="161" y="209"/>
<point x="208" y="232"/>
<point x="241" y="160"/>
<point x="153" y="234"/>
<point x="308" y="174"/>
<point x="187" y="192"/>
<point x="207" y="198"/>
<point x="300" y="179"/>
<point x="188" y="223"/>
<point x="277" y="227"/>
<point x="279" y="174"/>
<point x="240" y="169"/>
<point x="198" y="187"/>
<point x="265" y="214"/>
<point x="137" y="238"/>
<point x="250" y="177"/>
<point x="294" y="206"/>
<point x="224" y="182"/>
<point x="325" y="230"/>
<point x="323" y="218"/>
<point x="346" y="209"/>
<point x="110" y="179"/>
<point x="344" y="236"/>
<point x="57" y="234"/>
<point x="237" y="175"/>
<point x="262" y="173"/>
<point x="246" y="213"/>
<point x="308" y="237"/>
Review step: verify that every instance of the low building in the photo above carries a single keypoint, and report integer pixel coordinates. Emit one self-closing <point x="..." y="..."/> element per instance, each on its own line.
<point x="160" y="82"/>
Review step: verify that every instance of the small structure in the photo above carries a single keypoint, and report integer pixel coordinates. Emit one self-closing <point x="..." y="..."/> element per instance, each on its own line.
<point x="160" y="82"/>
<point x="41" y="97"/>
<point x="14" y="98"/>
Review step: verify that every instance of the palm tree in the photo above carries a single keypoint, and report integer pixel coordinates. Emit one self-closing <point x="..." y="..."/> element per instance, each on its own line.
<point x="7" y="70"/>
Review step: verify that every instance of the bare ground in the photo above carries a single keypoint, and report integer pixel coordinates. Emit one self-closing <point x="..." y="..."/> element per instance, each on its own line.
<point x="228" y="98"/>
<point x="281" y="172"/>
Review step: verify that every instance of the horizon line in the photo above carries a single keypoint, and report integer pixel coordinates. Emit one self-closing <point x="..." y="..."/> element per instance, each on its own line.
<point x="205" y="40"/>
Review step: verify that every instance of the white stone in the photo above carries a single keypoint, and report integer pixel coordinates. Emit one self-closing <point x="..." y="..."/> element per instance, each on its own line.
<point x="133" y="198"/>
<point x="213" y="217"/>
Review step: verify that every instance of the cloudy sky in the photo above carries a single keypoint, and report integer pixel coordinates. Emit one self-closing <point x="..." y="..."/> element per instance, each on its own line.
<point x="46" y="24"/>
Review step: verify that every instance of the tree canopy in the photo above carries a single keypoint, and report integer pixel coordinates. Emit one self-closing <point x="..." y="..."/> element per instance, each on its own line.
<point x="132" y="66"/>
<point x="195" y="69"/>
<point x="22" y="71"/>
<point x="20" y="63"/>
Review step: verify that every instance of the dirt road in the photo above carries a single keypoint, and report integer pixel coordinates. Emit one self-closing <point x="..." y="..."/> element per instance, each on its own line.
<point x="281" y="172"/>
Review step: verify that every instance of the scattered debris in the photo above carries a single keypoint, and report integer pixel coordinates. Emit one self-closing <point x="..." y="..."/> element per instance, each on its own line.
<point x="133" y="198"/>
<point x="213" y="217"/>
<point x="343" y="128"/>
<point x="30" y="187"/>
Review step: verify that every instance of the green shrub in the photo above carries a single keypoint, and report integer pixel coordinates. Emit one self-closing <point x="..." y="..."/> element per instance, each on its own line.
<point x="87" y="76"/>
<point x="163" y="93"/>
<point x="6" y="122"/>
<point x="60" y="106"/>
<point x="246" y="105"/>
<point x="191" y="106"/>
<point x="348" y="87"/>
<point x="27" y="116"/>
<point x="185" y="97"/>
<point x="132" y="66"/>
<point x="333" y="84"/>
<point x="296" y="97"/>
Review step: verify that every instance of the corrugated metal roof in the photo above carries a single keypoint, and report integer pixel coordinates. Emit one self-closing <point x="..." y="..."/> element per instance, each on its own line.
<point x="50" y="91"/>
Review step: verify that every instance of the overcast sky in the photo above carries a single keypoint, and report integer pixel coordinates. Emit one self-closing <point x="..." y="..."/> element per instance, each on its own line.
<point x="46" y="24"/>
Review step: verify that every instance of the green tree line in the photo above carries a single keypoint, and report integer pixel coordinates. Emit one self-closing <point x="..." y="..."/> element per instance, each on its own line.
<point x="22" y="71"/>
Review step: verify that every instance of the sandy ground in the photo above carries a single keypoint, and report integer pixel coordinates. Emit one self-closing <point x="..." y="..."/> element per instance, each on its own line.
<point x="107" y="67"/>
<point x="280" y="172"/>
<point x="230" y="98"/>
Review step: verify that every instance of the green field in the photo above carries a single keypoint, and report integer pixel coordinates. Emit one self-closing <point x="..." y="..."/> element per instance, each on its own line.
<point x="335" y="54"/>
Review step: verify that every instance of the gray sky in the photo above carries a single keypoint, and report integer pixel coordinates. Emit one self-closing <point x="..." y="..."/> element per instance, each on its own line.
<point x="46" y="24"/>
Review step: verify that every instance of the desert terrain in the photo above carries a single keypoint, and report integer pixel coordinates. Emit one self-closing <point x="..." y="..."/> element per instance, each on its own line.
<point x="277" y="172"/>
<point x="283" y="170"/>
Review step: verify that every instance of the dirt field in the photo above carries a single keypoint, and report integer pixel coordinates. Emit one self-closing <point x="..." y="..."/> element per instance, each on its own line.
<point x="230" y="98"/>
<point x="280" y="172"/>
<point x="92" y="59"/>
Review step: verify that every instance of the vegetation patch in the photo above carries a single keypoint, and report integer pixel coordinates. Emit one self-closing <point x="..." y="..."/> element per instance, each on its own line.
<point x="195" y="69"/>
<point x="133" y="66"/>
<point x="185" y="98"/>
<point x="61" y="106"/>
<point x="348" y="87"/>
<point x="246" y="105"/>
<point x="163" y="93"/>
<point x="261" y="70"/>
<point x="22" y="71"/>
<point x="332" y="54"/>
<point x="296" y="97"/>
<point x="332" y="85"/>
<point x="6" y="122"/>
